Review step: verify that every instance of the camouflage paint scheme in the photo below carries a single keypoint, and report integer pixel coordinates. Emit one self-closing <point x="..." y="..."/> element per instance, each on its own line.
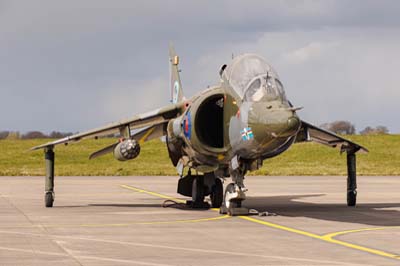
<point x="228" y="129"/>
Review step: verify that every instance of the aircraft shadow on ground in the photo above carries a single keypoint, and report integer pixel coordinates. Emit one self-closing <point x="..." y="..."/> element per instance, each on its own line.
<point x="375" y="214"/>
<point x="363" y="213"/>
<point x="131" y="205"/>
<point x="181" y="206"/>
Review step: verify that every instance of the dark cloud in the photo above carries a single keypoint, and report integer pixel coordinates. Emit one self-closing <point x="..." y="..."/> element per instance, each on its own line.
<point x="77" y="64"/>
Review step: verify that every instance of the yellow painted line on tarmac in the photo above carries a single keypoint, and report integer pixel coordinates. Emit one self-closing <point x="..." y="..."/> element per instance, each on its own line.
<point x="158" y="195"/>
<point x="327" y="237"/>
<point x="334" y="234"/>
<point x="139" y="190"/>
<point x="152" y="193"/>
<point x="330" y="238"/>
<point x="361" y="248"/>
<point x="119" y="224"/>
<point x="157" y="222"/>
<point x="281" y="227"/>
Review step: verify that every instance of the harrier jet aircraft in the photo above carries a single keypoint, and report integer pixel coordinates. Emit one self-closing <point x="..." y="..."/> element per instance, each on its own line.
<point x="224" y="131"/>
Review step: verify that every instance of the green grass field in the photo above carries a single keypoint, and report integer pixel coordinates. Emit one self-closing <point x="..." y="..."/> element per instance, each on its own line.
<point x="300" y="159"/>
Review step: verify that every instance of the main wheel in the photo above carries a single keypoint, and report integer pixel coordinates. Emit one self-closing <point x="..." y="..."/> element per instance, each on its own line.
<point x="198" y="189"/>
<point x="351" y="198"/>
<point x="217" y="193"/>
<point x="49" y="199"/>
<point x="228" y="203"/>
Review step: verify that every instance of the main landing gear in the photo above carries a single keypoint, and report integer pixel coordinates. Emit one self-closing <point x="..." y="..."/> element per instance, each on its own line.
<point x="217" y="193"/>
<point x="200" y="186"/>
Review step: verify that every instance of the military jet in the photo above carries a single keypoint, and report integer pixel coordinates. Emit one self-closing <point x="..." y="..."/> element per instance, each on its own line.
<point x="224" y="131"/>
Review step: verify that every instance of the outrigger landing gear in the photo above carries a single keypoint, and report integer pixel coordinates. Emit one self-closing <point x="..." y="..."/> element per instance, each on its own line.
<point x="49" y="179"/>
<point x="351" y="178"/>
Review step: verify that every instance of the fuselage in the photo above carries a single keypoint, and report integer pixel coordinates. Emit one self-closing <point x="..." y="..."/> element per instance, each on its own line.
<point x="246" y="115"/>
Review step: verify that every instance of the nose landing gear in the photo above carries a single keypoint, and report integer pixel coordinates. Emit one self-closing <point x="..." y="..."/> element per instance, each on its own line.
<point x="235" y="193"/>
<point x="232" y="203"/>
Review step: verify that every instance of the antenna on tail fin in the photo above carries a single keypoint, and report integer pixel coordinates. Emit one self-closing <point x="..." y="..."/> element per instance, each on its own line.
<point x="176" y="85"/>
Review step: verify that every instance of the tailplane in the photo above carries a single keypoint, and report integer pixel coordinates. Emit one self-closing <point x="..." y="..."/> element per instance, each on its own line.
<point x="176" y="85"/>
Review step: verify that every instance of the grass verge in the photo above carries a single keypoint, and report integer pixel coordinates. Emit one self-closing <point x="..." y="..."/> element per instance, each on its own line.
<point x="300" y="159"/>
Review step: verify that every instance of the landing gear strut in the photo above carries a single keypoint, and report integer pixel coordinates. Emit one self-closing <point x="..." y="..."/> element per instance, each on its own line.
<point x="49" y="179"/>
<point x="351" y="179"/>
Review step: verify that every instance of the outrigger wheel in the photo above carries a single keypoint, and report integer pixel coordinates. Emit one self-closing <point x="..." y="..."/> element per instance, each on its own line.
<point x="217" y="193"/>
<point x="49" y="199"/>
<point x="351" y="198"/>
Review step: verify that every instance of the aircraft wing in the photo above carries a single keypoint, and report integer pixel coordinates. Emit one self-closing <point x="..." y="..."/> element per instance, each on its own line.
<point x="146" y="134"/>
<point x="309" y="132"/>
<point x="150" y="119"/>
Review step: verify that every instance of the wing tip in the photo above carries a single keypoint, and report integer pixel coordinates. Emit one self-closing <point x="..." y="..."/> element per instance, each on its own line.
<point x="51" y="144"/>
<point x="43" y="146"/>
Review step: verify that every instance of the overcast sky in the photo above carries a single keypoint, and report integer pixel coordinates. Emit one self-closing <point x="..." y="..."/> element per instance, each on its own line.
<point x="75" y="65"/>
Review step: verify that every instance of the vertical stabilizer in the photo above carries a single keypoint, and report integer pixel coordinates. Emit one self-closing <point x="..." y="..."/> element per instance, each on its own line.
<point x="176" y="85"/>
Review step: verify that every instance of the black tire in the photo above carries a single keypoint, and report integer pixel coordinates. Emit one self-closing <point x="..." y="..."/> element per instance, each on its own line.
<point x="232" y="204"/>
<point x="351" y="198"/>
<point x="48" y="199"/>
<point x="198" y="189"/>
<point x="217" y="194"/>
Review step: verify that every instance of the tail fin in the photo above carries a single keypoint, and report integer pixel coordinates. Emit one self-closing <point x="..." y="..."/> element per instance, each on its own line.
<point x="176" y="85"/>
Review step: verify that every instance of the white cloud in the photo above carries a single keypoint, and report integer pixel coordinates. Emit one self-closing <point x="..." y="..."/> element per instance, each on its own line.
<point x="311" y="51"/>
<point x="73" y="65"/>
<point x="125" y="99"/>
<point x="336" y="74"/>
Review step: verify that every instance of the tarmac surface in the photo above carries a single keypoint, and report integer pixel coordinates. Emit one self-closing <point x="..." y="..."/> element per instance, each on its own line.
<point x="120" y="221"/>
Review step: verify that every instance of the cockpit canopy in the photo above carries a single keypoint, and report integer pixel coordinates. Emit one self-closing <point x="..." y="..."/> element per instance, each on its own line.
<point x="253" y="79"/>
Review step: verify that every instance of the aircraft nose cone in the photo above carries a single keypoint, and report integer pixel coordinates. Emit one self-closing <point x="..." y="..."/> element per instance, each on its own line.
<point x="293" y="123"/>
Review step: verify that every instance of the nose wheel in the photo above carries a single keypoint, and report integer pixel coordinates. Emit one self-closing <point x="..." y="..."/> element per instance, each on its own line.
<point x="232" y="202"/>
<point x="229" y="197"/>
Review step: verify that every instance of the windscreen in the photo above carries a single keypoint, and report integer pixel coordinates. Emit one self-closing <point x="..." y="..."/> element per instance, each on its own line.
<point x="264" y="87"/>
<point x="253" y="79"/>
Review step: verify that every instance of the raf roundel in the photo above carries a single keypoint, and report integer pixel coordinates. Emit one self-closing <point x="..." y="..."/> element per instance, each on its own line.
<point x="176" y="92"/>
<point x="187" y="125"/>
